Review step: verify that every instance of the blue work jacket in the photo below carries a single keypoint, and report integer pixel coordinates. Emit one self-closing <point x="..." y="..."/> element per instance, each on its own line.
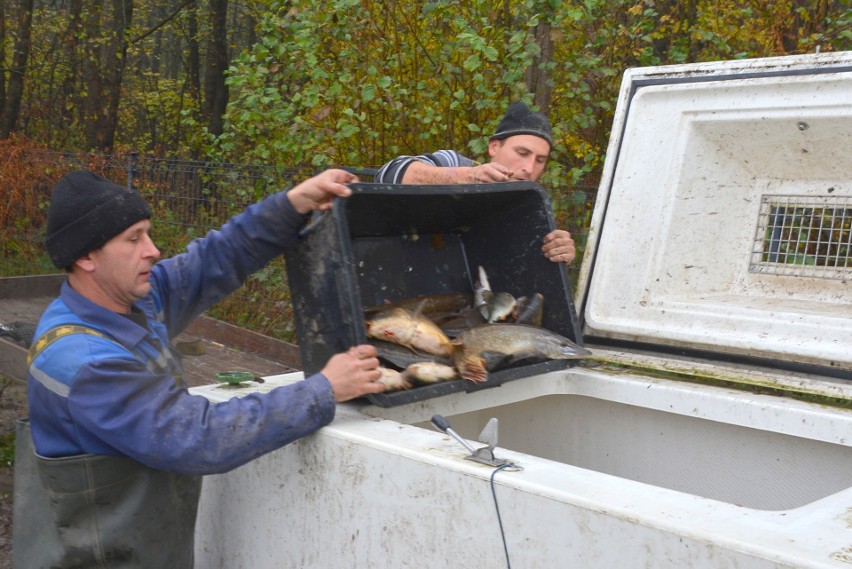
<point x="122" y="394"/>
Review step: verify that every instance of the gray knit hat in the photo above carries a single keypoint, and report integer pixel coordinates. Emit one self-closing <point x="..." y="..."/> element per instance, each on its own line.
<point x="520" y="120"/>
<point x="87" y="210"/>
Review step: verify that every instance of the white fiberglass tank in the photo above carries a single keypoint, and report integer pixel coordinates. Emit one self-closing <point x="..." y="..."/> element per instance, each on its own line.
<point x="723" y="220"/>
<point x="711" y="428"/>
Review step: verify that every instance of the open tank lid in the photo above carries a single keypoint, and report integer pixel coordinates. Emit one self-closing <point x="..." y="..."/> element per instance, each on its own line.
<point x="723" y="221"/>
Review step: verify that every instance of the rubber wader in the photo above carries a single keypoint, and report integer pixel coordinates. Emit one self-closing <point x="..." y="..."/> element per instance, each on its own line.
<point x="99" y="511"/>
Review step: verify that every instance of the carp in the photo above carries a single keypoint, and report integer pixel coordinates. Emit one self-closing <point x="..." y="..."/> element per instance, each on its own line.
<point x="489" y="346"/>
<point x="430" y="372"/>
<point x="410" y="329"/>
<point x="436" y="307"/>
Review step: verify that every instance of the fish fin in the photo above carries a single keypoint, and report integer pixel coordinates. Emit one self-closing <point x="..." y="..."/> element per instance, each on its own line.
<point x="452" y="330"/>
<point x="397" y="355"/>
<point x="419" y="310"/>
<point x="524" y="358"/>
<point x="520" y="303"/>
<point x="394" y="380"/>
<point x="483" y="278"/>
<point x="472" y="368"/>
<point x="418" y="353"/>
<point x="493" y="360"/>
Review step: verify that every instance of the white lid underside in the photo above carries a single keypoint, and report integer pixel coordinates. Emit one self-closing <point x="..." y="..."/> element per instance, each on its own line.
<point x="724" y="217"/>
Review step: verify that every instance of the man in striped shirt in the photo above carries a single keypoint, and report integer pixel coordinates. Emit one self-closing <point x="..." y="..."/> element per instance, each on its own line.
<point x="519" y="150"/>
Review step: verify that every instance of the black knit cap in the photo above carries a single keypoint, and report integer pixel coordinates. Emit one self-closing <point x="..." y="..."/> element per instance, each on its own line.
<point x="87" y="210"/>
<point x="520" y="120"/>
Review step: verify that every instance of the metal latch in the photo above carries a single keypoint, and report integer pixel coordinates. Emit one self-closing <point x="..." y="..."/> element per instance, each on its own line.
<point x="485" y="455"/>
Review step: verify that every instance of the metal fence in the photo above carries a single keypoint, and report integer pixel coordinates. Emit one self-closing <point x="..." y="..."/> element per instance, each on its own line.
<point x="193" y="196"/>
<point x="189" y="198"/>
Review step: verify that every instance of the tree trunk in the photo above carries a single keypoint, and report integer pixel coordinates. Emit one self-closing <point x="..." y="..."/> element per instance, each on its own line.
<point x="194" y="52"/>
<point x="2" y="52"/>
<point x="69" y="89"/>
<point x="15" y="90"/>
<point x="216" y="91"/>
<point x="103" y="71"/>
<point x="538" y="76"/>
<point x="90" y="107"/>
<point x="113" y="71"/>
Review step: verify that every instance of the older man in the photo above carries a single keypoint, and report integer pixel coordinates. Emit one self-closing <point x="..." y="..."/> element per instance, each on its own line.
<point x="120" y="443"/>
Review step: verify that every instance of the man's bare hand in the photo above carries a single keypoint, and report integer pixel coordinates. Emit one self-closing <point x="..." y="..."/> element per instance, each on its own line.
<point x="316" y="193"/>
<point x="354" y="373"/>
<point x="559" y="246"/>
<point x="490" y="172"/>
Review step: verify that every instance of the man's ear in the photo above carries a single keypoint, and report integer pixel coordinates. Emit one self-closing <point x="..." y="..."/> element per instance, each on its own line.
<point x="494" y="146"/>
<point x="85" y="263"/>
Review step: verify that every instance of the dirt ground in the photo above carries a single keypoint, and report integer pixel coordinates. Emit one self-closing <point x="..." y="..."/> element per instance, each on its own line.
<point x="13" y="404"/>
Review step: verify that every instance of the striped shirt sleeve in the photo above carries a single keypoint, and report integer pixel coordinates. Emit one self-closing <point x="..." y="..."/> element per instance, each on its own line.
<point x="393" y="171"/>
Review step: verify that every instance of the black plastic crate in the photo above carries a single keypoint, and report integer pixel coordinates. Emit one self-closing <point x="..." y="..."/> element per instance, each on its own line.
<point x="393" y="242"/>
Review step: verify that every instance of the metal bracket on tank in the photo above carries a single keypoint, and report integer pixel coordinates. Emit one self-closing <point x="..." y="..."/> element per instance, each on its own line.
<point x="484" y="455"/>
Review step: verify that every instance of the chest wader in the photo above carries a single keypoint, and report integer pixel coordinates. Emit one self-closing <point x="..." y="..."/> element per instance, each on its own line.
<point x="99" y="511"/>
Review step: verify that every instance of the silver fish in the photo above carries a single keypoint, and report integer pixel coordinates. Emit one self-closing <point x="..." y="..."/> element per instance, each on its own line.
<point x="493" y="306"/>
<point x="500" y="307"/>
<point x="482" y="292"/>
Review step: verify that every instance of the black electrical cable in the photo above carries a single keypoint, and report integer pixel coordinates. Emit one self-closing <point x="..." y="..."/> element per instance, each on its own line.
<point x="497" y="507"/>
